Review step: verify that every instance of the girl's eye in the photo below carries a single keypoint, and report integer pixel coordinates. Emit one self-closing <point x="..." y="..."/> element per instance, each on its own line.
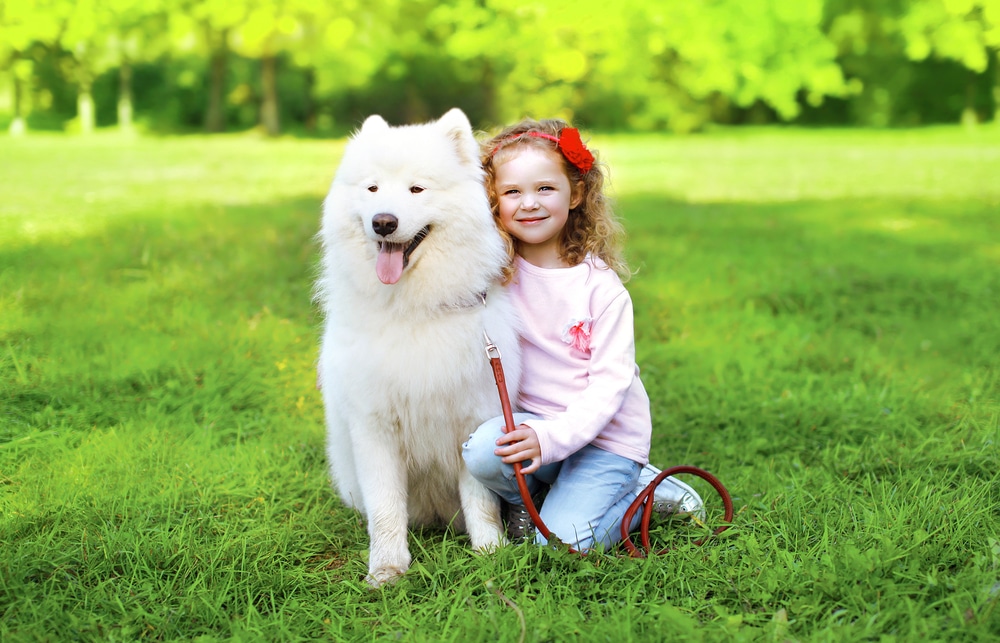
<point x="511" y="192"/>
<point x="545" y="188"/>
<point x="373" y="188"/>
<point x="416" y="189"/>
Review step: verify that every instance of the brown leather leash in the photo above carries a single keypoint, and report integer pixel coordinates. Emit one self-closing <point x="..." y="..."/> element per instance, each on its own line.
<point x="644" y="499"/>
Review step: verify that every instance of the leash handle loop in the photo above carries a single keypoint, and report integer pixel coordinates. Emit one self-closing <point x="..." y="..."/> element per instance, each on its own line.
<point x="644" y="499"/>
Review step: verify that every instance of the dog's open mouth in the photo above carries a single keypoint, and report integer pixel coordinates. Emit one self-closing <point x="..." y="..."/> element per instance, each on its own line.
<point x="394" y="257"/>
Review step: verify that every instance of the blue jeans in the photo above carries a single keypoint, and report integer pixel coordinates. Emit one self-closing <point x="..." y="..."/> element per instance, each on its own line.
<point x="588" y="495"/>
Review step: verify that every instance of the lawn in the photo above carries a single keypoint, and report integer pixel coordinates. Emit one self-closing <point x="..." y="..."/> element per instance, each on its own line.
<point x="818" y="324"/>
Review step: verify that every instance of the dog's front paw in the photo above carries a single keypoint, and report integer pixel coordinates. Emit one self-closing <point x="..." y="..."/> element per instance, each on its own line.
<point x="385" y="567"/>
<point x="379" y="576"/>
<point x="486" y="532"/>
<point x="491" y="547"/>
<point x="489" y="541"/>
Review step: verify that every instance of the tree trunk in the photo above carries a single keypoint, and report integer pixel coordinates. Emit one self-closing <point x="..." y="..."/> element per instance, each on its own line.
<point x="996" y="88"/>
<point x="969" y="117"/>
<point x="414" y="108"/>
<point x="310" y="99"/>
<point x="125" y="124"/>
<point x="489" y="89"/>
<point x="269" y="106"/>
<point x="17" y="126"/>
<point x="215" y="114"/>
<point x="85" y="102"/>
<point x="489" y="86"/>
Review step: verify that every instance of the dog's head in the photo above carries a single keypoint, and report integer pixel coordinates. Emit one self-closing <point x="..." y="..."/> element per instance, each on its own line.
<point x="409" y="193"/>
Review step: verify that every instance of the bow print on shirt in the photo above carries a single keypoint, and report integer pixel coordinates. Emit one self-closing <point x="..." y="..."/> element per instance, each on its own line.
<point x="577" y="333"/>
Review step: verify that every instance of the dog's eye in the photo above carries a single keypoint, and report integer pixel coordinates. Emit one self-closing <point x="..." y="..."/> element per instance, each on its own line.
<point x="373" y="188"/>
<point x="417" y="189"/>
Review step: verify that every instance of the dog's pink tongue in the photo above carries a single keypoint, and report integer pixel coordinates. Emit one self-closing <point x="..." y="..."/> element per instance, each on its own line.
<point x="389" y="266"/>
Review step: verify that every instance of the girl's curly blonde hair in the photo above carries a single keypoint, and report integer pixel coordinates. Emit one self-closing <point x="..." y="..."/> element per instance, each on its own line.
<point x="592" y="227"/>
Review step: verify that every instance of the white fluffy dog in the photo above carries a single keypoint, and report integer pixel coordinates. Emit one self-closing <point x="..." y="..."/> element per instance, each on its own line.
<point x="409" y="250"/>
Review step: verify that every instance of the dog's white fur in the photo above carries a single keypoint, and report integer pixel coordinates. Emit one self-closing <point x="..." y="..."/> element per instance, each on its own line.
<point x="403" y="370"/>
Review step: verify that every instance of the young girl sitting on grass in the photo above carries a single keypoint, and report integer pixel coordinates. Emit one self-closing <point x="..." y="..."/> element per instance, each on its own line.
<point x="585" y="430"/>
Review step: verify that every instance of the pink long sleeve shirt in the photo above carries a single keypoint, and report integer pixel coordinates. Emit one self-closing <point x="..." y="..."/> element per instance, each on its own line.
<point x="579" y="372"/>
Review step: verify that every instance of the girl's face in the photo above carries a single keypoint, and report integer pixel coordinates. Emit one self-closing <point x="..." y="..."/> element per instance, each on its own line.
<point x="535" y="197"/>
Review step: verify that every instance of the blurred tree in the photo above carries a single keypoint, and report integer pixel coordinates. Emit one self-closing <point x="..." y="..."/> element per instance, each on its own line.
<point x="545" y="58"/>
<point x="203" y="26"/>
<point x="467" y="30"/>
<point x="671" y="64"/>
<point x="137" y="35"/>
<point x="645" y="65"/>
<point x="320" y="40"/>
<point x="695" y="57"/>
<point x="869" y="50"/>
<point x="351" y="45"/>
<point x="496" y="40"/>
<point x="272" y="28"/>
<point x="396" y="58"/>
<point x="967" y="31"/>
<point x="110" y="34"/>
<point x="22" y="24"/>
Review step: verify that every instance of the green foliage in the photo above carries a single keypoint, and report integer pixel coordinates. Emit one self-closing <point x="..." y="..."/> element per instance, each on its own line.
<point x="768" y="51"/>
<point x="962" y="30"/>
<point x="664" y="62"/>
<point x="22" y="22"/>
<point x="669" y="65"/>
<point x="886" y="86"/>
<point x="816" y="324"/>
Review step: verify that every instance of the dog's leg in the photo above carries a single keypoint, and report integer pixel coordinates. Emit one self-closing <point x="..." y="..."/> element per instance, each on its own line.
<point x="383" y="480"/>
<point x="482" y="513"/>
<point x="340" y="456"/>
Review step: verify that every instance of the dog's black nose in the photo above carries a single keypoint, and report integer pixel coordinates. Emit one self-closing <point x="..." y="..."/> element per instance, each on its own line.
<point x="384" y="224"/>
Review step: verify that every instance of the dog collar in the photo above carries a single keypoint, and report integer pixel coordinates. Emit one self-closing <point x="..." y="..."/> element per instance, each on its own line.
<point x="469" y="303"/>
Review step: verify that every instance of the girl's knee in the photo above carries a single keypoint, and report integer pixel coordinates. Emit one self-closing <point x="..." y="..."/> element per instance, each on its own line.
<point x="478" y="449"/>
<point x="481" y="464"/>
<point x="483" y="441"/>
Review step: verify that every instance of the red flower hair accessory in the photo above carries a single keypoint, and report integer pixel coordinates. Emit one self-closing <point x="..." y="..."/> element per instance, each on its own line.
<point x="569" y="144"/>
<point x="574" y="150"/>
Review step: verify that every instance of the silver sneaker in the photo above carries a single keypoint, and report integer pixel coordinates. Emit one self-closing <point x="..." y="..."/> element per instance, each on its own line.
<point x="517" y="520"/>
<point x="671" y="496"/>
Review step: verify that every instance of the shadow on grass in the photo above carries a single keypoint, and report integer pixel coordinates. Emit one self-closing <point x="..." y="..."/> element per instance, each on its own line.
<point x="195" y="316"/>
<point x="782" y="330"/>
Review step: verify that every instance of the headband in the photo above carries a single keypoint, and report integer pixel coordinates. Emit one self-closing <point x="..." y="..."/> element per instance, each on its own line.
<point x="569" y="144"/>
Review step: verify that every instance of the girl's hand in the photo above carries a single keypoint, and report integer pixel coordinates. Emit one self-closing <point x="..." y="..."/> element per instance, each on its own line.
<point x="520" y="445"/>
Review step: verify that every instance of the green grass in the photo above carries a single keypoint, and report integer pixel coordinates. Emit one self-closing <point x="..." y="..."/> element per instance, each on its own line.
<point x="817" y="324"/>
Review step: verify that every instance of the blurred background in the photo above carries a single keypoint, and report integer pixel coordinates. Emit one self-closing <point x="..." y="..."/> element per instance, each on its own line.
<point x="317" y="68"/>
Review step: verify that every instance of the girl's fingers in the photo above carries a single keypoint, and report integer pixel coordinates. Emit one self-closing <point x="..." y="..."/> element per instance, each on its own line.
<point x="519" y="445"/>
<point x="518" y="453"/>
<point x="536" y="463"/>
<point x="517" y="435"/>
<point x="513" y="450"/>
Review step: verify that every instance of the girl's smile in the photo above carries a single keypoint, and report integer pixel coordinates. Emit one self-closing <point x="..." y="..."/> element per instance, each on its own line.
<point x="535" y="197"/>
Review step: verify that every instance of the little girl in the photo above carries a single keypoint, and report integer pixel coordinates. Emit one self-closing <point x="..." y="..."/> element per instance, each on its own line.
<point x="586" y="426"/>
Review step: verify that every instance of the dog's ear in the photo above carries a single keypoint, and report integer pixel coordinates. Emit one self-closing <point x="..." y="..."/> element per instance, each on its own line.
<point x="373" y="123"/>
<point x="456" y="124"/>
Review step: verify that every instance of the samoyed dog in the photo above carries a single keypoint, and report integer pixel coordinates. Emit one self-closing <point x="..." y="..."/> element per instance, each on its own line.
<point x="411" y="266"/>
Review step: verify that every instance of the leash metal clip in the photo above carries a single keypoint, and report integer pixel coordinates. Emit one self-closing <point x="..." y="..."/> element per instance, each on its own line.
<point x="492" y="352"/>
